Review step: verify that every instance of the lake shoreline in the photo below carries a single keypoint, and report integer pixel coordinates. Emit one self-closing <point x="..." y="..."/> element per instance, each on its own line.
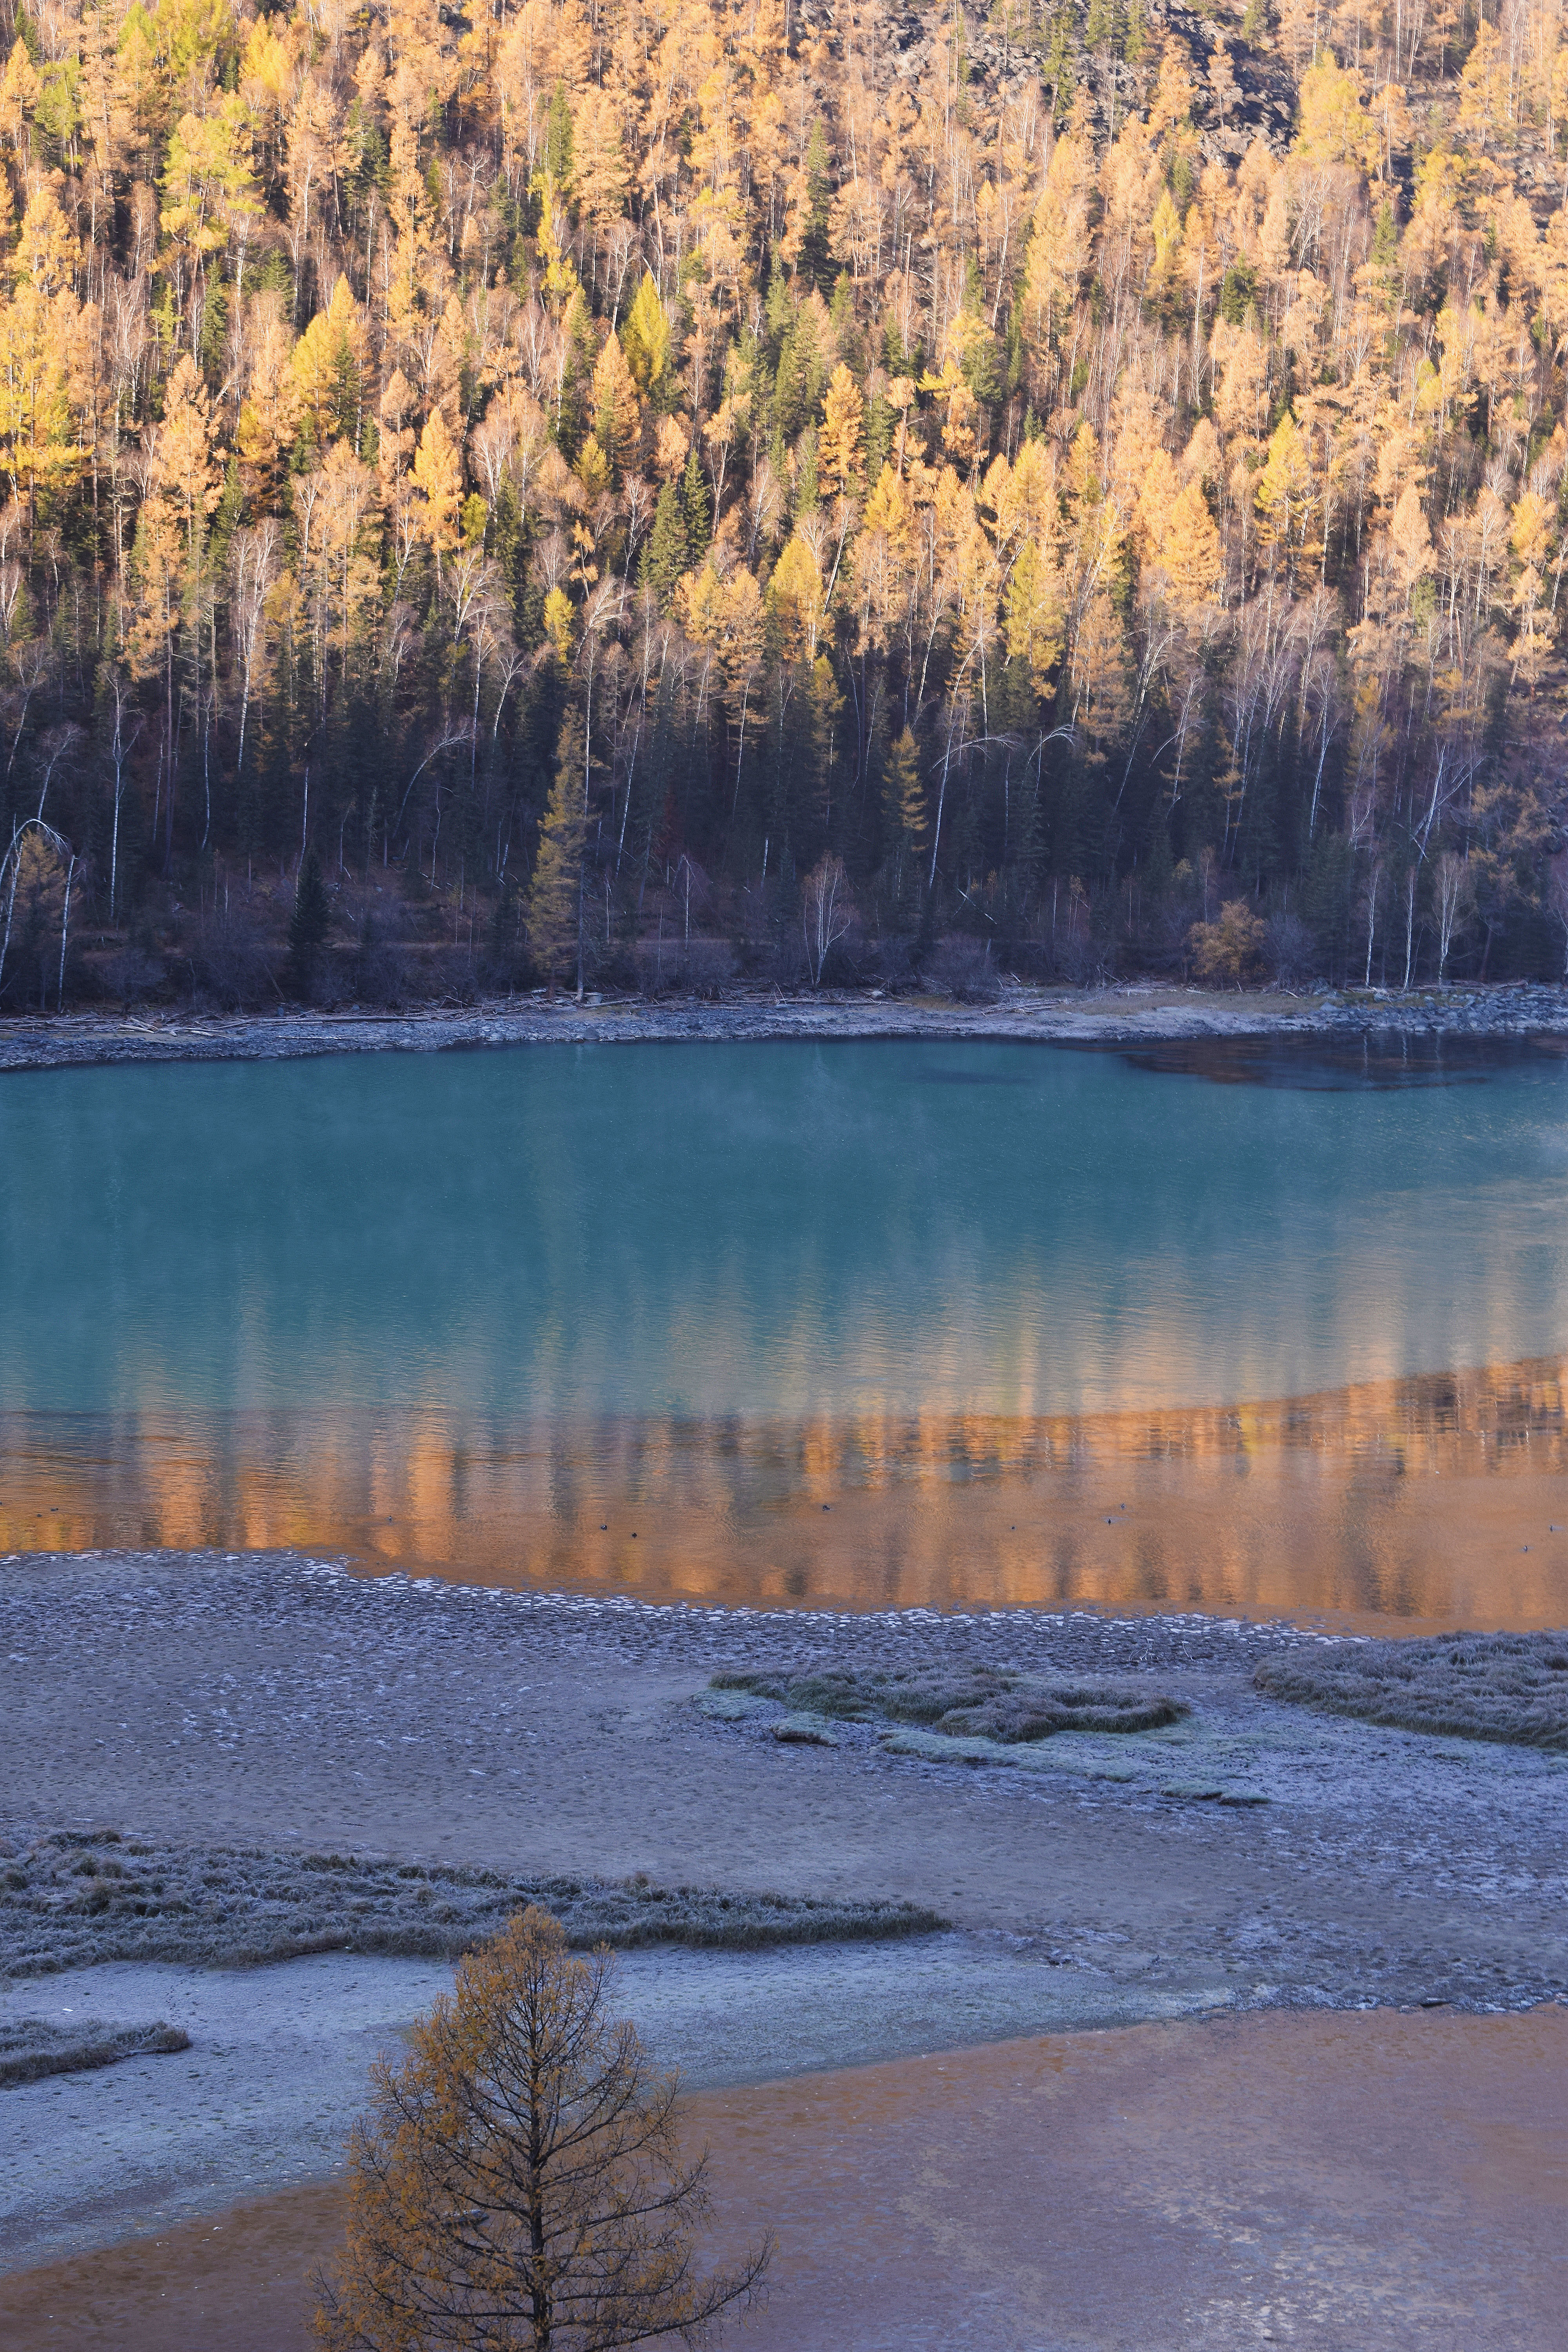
<point x="1109" y="1017"/>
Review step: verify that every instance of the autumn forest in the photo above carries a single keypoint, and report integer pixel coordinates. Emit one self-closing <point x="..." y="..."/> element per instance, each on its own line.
<point x="668" y="491"/>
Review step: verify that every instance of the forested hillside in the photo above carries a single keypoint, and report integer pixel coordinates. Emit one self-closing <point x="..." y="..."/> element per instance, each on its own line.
<point x="682" y="488"/>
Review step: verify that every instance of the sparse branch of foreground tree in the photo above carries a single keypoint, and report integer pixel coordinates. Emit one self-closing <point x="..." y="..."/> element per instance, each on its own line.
<point x="520" y="2181"/>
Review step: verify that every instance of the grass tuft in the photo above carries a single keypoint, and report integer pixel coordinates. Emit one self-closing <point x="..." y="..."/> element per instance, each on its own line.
<point x="1506" y="1686"/>
<point x="32" y="2048"/>
<point x="228" y="1907"/>
<point x="972" y="1703"/>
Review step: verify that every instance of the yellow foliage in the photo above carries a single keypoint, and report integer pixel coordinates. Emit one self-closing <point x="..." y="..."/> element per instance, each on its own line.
<point x="328" y="365"/>
<point x="644" y="337"/>
<point x="1189" y="551"/>
<point x="558" y="622"/>
<point x="795" y="601"/>
<point x="1333" y="125"/>
<point x="1231" y="949"/>
<point x="839" y="461"/>
<point x="438" y="477"/>
<point x="617" y="412"/>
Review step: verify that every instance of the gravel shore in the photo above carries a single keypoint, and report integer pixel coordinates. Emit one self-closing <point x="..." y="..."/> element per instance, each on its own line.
<point x="1080" y="1016"/>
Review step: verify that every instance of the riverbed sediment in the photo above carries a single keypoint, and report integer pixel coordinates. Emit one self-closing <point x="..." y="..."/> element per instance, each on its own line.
<point x="1110" y="1016"/>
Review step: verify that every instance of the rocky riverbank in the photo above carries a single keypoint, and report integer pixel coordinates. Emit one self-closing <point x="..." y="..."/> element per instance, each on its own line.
<point x="1108" y="1016"/>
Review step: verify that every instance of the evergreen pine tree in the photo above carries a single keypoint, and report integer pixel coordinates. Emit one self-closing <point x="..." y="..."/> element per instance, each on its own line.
<point x="308" y="928"/>
<point x="815" y="261"/>
<point x="666" y="557"/>
<point x="904" y="823"/>
<point x="558" y="137"/>
<point x="556" y="896"/>
<point x="694" y="510"/>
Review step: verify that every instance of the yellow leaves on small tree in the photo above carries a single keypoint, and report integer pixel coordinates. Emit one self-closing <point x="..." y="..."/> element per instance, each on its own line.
<point x="1487" y="87"/>
<point x="598" y="164"/>
<point x="1189" y="552"/>
<point x="1035" y="618"/>
<point x="1287" y="500"/>
<point x="796" y="600"/>
<point x="555" y="899"/>
<point x="1410" y="537"/>
<point x="40" y="352"/>
<point x="334" y="512"/>
<point x="520" y="2179"/>
<point x="208" y="190"/>
<point x="904" y="795"/>
<point x="1232" y="948"/>
<point x="1172" y="101"/>
<point x="839" y="464"/>
<point x="439" y="478"/>
<point x="559" y="624"/>
<point x="1241" y="401"/>
<point x="327" y="367"/>
<point x="1059" y="246"/>
<point x="20" y="94"/>
<point x="562" y="282"/>
<point x="1101" y="704"/>
<point x="1333" y="125"/>
<point x="617" y="411"/>
<point x="269" y="414"/>
<point x="48" y="254"/>
<point x="644" y="337"/>
<point x="188" y="462"/>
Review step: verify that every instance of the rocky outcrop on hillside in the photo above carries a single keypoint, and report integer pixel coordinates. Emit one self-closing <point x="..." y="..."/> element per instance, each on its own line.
<point x="1242" y="92"/>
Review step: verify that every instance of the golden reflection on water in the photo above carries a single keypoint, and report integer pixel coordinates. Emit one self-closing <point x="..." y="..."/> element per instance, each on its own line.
<point x="1428" y="1501"/>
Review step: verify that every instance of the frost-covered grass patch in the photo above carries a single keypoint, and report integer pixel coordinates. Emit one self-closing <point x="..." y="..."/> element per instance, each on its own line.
<point x="69" y="1900"/>
<point x="1091" y="1728"/>
<point x="806" y="1731"/>
<point x="1066" y="1756"/>
<point x="964" y="1703"/>
<point x="1142" y="1757"/>
<point x="1507" y="1686"/>
<point x="33" y="2047"/>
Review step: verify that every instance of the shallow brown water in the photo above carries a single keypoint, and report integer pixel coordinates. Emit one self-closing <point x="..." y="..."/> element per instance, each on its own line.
<point x="1405" y="1504"/>
<point x="1342" y="2182"/>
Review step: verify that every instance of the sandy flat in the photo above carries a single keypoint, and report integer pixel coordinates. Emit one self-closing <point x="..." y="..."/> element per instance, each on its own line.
<point x="1340" y="2182"/>
<point x="278" y="2065"/>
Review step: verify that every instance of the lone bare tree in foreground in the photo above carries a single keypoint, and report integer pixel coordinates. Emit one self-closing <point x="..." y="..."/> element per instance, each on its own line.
<point x="520" y="2181"/>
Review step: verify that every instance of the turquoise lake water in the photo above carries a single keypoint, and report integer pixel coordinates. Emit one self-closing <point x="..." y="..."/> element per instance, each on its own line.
<point x="763" y="1229"/>
<point x="217" y="1274"/>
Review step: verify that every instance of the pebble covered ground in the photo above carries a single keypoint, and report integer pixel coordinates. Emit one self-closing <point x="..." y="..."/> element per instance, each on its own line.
<point x="267" y="1698"/>
<point x="1127" y="1014"/>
